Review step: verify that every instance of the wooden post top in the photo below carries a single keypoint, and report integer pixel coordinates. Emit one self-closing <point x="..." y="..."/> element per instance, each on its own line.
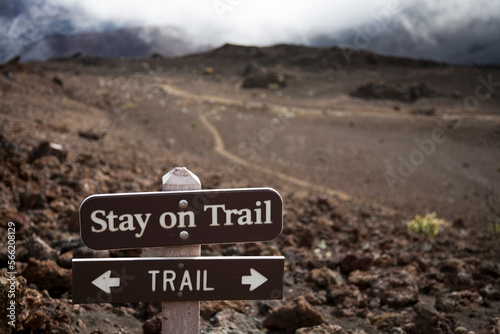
<point x="180" y="178"/>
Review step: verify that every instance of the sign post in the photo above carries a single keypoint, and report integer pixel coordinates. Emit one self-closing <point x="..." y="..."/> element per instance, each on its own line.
<point x="180" y="218"/>
<point x="181" y="317"/>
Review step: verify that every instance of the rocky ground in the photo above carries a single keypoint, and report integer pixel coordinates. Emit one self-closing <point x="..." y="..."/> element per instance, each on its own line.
<point x="291" y="118"/>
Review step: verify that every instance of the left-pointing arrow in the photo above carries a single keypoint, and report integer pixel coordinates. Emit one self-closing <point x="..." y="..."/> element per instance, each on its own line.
<point x="105" y="282"/>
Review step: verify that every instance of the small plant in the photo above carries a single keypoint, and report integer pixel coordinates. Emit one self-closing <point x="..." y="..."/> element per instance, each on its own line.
<point x="491" y="202"/>
<point x="496" y="227"/>
<point x="427" y="226"/>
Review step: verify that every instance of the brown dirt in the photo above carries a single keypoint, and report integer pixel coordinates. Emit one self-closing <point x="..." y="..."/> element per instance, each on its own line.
<point x="125" y="123"/>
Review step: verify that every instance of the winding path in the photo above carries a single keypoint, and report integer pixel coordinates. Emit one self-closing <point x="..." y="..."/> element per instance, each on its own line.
<point x="276" y="108"/>
<point x="220" y="149"/>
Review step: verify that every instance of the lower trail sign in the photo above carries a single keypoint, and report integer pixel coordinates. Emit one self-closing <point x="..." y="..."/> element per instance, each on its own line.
<point x="126" y="280"/>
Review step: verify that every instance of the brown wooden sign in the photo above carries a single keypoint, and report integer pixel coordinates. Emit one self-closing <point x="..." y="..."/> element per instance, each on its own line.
<point x="136" y="220"/>
<point x="126" y="280"/>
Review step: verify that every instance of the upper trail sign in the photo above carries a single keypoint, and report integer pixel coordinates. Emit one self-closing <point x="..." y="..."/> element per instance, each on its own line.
<point x="136" y="220"/>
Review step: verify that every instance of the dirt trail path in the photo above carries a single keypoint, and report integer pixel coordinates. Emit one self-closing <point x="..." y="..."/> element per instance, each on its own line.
<point x="411" y="194"/>
<point x="219" y="148"/>
<point x="312" y="112"/>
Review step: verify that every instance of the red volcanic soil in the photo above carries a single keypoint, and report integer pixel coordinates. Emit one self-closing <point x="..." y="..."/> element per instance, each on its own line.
<point x="356" y="151"/>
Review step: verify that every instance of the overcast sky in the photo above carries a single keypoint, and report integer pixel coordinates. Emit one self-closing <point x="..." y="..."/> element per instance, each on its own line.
<point x="256" y="22"/>
<point x="442" y="30"/>
<point x="262" y="22"/>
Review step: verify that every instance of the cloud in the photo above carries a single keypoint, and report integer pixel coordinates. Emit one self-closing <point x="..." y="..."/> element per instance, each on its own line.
<point x="441" y="30"/>
<point x="256" y="22"/>
<point x="261" y="22"/>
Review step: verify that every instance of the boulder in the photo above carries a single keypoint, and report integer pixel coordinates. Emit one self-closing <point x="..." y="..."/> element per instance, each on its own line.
<point x="210" y="308"/>
<point x="292" y="316"/>
<point x="230" y="320"/>
<point x="42" y="314"/>
<point x="322" y="329"/>
<point x="348" y="299"/>
<point x="12" y="153"/>
<point x="32" y="199"/>
<point x="152" y="325"/>
<point x="429" y="321"/>
<point x="353" y="262"/>
<point x="325" y="277"/>
<point x="383" y="90"/>
<point x="12" y="288"/>
<point x="48" y="275"/>
<point x="264" y="78"/>
<point x="385" y="321"/>
<point x="45" y="149"/>
<point x="37" y="248"/>
<point x="458" y="301"/>
<point x="396" y="289"/>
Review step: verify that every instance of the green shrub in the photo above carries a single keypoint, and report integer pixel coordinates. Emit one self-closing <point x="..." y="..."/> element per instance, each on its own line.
<point x="427" y="226"/>
<point x="496" y="227"/>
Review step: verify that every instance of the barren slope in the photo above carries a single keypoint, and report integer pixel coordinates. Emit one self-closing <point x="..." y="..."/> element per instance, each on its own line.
<point x="122" y="124"/>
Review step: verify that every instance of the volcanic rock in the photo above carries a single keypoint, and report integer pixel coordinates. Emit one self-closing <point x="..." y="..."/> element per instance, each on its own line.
<point x="11" y="152"/>
<point x="292" y="316"/>
<point x="29" y="199"/>
<point x="488" y="292"/>
<point x="396" y="289"/>
<point x="459" y="281"/>
<point x="264" y="78"/>
<point x="39" y="249"/>
<point x="230" y="320"/>
<point x="361" y="279"/>
<point x="460" y="330"/>
<point x="429" y="321"/>
<point x="451" y="265"/>
<point x="458" y="301"/>
<point x="11" y="291"/>
<point x="152" y="325"/>
<point x="266" y="306"/>
<point x="21" y="221"/>
<point x="490" y="269"/>
<point x="348" y="299"/>
<point x="494" y="326"/>
<point x="386" y="321"/>
<point x="317" y="297"/>
<point x="322" y="329"/>
<point x="45" y="149"/>
<point x="65" y="245"/>
<point x="209" y="308"/>
<point x="353" y="262"/>
<point x="42" y="314"/>
<point x="383" y="90"/>
<point x="48" y="275"/>
<point x="58" y="81"/>
<point x="35" y="312"/>
<point x="325" y="277"/>
<point x="92" y="134"/>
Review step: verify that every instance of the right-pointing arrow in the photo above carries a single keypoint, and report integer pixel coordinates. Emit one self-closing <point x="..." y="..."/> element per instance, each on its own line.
<point x="255" y="279"/>
<point x="105" y="282"/>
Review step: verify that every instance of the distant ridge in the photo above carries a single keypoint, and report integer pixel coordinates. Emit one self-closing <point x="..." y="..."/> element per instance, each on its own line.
<point x="140" y="42"/>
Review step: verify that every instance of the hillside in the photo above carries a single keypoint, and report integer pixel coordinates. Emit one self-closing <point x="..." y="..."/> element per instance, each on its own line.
<point x="127" y="42"/>
<point x="356" y="151"/>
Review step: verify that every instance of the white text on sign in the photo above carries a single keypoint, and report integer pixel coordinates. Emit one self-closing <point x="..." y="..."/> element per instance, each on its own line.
<point x="169" y="277"/>
<point x="104" y="220"/>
